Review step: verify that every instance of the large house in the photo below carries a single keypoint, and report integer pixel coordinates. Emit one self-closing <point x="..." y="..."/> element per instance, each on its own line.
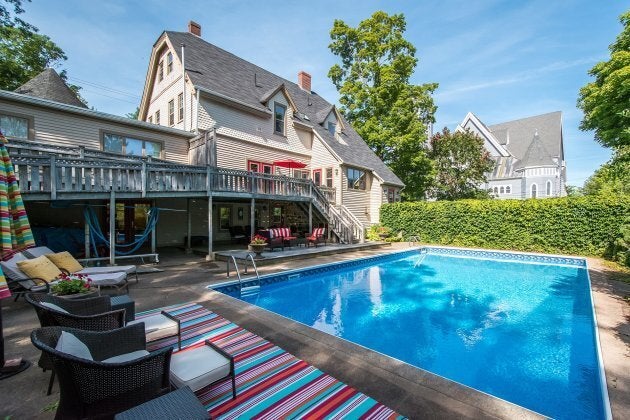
<point x="528" y="155"/>
<point x="220" y="144"/>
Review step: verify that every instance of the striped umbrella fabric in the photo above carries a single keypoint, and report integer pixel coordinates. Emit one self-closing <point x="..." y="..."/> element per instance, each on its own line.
<point x="15" y="230"/>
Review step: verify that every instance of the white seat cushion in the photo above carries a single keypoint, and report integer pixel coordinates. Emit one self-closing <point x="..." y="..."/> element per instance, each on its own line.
<point x="109" y="279"/>
<point x="38" y="251"/>
<point x="121" y="358"/>
<point x="157" y="326"/>
<point x="70" y="344"/>
<point x="109" y="269"/>
<point x="54" y="307"/>
<point x="198" y="368"/>
<point x="10" y="268"/>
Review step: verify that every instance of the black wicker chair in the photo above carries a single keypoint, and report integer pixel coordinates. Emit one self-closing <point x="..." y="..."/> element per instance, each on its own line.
<point x="91" y="314"/>
<point x="93" y="389"/>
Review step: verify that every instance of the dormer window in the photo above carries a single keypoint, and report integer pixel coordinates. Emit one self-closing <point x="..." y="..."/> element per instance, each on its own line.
<point x="161" y="71"/>
<point x="332" y="128"/>
<point x="169" y="63"/>
<point x="279" y="111"/>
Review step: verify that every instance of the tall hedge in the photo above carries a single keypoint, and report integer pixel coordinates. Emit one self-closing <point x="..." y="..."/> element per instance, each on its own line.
<point x="569" y="225"/>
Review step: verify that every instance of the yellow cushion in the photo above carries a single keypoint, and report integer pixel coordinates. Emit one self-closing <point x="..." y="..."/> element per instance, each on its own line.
<point x="40" y="267"/>
<point x="65" y="261"/>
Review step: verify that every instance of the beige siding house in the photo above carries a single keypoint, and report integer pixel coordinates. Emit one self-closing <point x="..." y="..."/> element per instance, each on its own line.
<point x="256" y="119"/>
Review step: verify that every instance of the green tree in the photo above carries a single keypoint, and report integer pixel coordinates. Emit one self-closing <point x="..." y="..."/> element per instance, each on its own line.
<point x="606" y="100"/>
<point x="24" y="53"/>
<point x="612" y="178"/>
<point x="461" y="163"/>
<point x="133" y="115"/>
<point x="390" y="113"/>
<point x="574" y="191"/>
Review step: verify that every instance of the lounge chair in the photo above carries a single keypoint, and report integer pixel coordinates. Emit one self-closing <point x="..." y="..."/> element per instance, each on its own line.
<point x="273" y="242"/>
<point x="90" y="314"/>
<point x="19" y="271"/>
<point x="103" y="373"/>
<point x="316" y="237"/>
<point x="44" y="250"/>
<point x="285" y="233"/>
<point x="18" y="281"/>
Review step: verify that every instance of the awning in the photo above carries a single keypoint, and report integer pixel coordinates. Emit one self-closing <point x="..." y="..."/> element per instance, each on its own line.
<point x="290" y="163"/>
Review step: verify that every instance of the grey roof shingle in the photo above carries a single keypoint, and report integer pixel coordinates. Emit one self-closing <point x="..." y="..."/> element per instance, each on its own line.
<point x="214" y="69"/>
<point x="49" y="85"/>
<point x="534" y="141"/>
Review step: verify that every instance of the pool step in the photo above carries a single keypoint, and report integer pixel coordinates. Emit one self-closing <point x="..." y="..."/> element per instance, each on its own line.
<point x="250" y="290"/>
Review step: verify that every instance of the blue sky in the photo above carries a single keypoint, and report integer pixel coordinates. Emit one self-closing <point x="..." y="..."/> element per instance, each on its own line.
<point x="502" y="60"/>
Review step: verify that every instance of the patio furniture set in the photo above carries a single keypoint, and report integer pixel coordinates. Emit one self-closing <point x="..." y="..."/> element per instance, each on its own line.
<point x="97" y="348"/>
<point x="283" y="237"/>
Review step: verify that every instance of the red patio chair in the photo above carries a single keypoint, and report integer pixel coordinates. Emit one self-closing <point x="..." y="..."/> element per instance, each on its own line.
<point x="316" y="237"/>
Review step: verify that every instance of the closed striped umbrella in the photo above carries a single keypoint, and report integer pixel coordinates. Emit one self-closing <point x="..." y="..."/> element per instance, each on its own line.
<point x="15" y="236"/>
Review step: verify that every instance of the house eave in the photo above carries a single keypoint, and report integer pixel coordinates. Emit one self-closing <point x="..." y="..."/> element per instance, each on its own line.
<point x="235" y="103"/>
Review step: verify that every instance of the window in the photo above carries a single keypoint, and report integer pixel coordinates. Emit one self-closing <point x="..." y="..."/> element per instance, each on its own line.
<point x="12" y="126"/>
<point x="298" y="173"/>
<point x="317" y="176"/>
<point x="157" y="116"/>
<point x="391" y="195"/>
<point x="329" y="177"/>
<point x="225" y="217"/>
<point x="508" y="189"/>
<point x="279" y="111"/>
<point x="356" y="179"/>
<point x="130" y="146"/>
<point x="496" y="190"/>
<point x="161" y="71"/>
<point x="171" y="112"/>
<point x="502" y="190"/>
<point x="150" y="120"/>
<point x="169" y="63"/>
<point x="549" y="190"/>
<point x="180" y="107"/>
<point x="534" y="190"/>
<point x="332" y="127"/>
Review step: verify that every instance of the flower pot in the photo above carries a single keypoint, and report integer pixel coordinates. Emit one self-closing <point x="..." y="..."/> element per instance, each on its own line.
<point x="257" y="249"/>
<point x="383" y="235"/>
<point x="91" y="293"/>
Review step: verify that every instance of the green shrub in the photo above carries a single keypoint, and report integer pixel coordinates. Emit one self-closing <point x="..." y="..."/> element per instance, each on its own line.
<point x="569" y="225"/>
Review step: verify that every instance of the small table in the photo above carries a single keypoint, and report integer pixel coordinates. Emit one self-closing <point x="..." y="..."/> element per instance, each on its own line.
<point x="180" y="404"/>
<point x="124" y="302"/>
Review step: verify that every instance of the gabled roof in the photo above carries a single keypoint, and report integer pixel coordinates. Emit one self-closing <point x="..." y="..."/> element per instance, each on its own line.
<point x="472" y="119"/>
<point x="223" y="74"/>
<point x="528" y="147"/>
<point x="281" y="88"/>
<point x="49" y="85"/>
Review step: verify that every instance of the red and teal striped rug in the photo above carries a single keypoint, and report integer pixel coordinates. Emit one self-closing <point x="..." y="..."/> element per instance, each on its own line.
<point x="270" y="383"/>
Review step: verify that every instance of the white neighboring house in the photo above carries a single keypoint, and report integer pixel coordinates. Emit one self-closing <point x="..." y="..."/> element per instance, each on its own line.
<point x="528" y="155"/>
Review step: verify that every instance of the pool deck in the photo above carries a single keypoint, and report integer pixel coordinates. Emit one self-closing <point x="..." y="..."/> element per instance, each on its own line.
<point x="411" y="391"/>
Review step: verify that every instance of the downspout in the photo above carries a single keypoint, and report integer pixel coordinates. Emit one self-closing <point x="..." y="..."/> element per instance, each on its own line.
<point x="184" y="87"/>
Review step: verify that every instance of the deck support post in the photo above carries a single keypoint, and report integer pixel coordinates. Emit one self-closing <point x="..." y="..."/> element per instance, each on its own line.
<point x="310" y="217"/>
<point x="112" y="227"/>
<point x="252" y="218"/>
<point x="188" y="227"/>
<point x="154" y="236"/>
<point x="86" y="237"/>
<point x="210" y="256"/>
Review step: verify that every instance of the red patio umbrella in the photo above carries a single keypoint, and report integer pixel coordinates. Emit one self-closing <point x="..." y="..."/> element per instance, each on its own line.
<point x="290" y="163"/>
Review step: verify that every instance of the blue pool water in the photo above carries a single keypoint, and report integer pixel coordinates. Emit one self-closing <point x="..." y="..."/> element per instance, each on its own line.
<point x="520" y="331"/>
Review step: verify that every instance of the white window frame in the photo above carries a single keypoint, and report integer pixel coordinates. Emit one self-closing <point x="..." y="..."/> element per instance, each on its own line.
<point x="169" y="63"/>
<point x="284" y="119"/>
<point x="180" y="107"/>
<point x="161" y="70"/>
<point x="533" y="190"/>
<point x="124" y="144"/>
<point x="549" y="188"/>
<point x="171" y="112"/>
<point x="30" y="123"/>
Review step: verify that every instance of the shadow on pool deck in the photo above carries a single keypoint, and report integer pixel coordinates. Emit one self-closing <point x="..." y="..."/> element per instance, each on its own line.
<point x="410" y="391"/>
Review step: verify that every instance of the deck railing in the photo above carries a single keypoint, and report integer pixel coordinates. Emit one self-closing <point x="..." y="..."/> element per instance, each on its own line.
<point x="78" y="173"/>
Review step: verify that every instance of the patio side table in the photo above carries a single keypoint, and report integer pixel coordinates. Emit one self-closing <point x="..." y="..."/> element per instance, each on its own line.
<point x="124" y="302"/>
<point x="180" y="404"/>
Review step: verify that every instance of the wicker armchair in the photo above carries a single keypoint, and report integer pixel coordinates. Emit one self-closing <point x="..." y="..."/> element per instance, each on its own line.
<point x="94" y="389"/>
<point x="92" y="314"/>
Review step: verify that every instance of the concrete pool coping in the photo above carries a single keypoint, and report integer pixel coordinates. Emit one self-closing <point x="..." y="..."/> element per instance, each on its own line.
<point x="412" y="392"/>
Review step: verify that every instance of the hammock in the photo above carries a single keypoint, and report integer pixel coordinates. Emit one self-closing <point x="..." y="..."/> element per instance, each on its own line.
<point x="95" y="231"/>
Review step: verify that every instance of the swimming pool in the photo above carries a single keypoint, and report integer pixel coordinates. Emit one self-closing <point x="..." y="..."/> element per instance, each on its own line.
<point x="517" y="326"/>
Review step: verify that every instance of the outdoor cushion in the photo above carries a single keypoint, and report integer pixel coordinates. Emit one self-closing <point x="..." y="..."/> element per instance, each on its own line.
<point x="65" y="261"/>
<point x="198" y="368"/>
<point x="70" y="344"/>
<point x="108" y="279"/>
<point x="38" y="251"/>
<point x="109" y="269"/>
<point x="54" y="307"/>
<point x="127" y="357"/>
<point x="10" y="268"/>
<point x="40" y="267"/>
<point x="157" y="326"/>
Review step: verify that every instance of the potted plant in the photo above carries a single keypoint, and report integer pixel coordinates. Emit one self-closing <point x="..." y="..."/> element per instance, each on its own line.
<point x="257" y="245"/>
<point x="73" y="286"/>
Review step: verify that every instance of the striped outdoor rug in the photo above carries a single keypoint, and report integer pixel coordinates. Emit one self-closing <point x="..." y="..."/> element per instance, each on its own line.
<point x="270" y="382"/>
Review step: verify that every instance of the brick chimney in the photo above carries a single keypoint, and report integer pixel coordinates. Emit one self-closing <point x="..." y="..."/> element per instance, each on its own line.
<point x="194" y="28"/>
<point x="304" y="81"/>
